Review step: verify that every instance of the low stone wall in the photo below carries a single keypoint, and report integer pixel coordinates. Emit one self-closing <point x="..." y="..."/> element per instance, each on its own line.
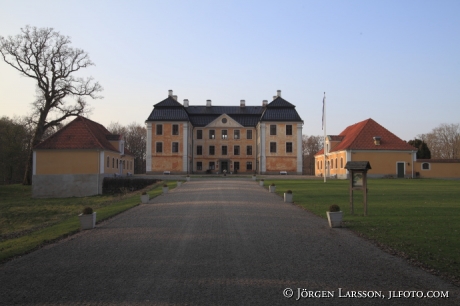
<point x="66" y="185"/>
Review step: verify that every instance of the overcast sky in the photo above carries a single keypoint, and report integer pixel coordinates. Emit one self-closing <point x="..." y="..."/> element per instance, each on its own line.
<point x="397" y="62"/>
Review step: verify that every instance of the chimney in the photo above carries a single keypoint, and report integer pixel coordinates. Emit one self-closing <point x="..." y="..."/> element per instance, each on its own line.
<point x="242" y="103"/>
<point x="175" y="97"/>
<point x="170" y="93"/>
<point x="278" y="93"/>
<point x="274" y="97"/>
<point x="264" y="103"/>
<point x="185" y="102"/>
<point x="208" y="103"/>
<point x="377" y="140"/>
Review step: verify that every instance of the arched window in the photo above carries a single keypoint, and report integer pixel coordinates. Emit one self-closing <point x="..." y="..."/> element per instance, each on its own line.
<point x="113" y="162"/>
<point x="336" y="165"/>
<point x="341" y="162"/>
<point x="108" y="161"/>
<point x="117" y="163"/>
<point x="426" y="166"/>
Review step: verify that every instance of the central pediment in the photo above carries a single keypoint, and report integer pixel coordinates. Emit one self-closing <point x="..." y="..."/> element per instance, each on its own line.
<point x="224" y="121"/>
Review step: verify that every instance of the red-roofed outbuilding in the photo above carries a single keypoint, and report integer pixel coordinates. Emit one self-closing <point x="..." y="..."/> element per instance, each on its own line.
<point x="366" y="141"/>
<point x="74" y="160"/>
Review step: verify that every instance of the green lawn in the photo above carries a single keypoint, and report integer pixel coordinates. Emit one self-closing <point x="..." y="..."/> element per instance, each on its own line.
<point x="418" y="218"/>
<point x="27" y="223"/>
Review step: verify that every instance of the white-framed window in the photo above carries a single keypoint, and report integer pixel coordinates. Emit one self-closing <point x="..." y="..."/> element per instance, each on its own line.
<point x="175" y="129"/>
<point x="426" y="166"/>
<point x="159" y="147"/>
<point x="159" y="129"/>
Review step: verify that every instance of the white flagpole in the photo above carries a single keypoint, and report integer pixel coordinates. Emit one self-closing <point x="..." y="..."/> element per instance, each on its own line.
<point x="324" y="128"/>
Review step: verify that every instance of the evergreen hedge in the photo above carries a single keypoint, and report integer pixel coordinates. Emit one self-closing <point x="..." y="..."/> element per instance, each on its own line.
<point x="114" y="185"/>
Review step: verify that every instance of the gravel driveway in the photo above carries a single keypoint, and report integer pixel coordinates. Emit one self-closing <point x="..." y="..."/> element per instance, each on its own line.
<point x="216" y="242"/>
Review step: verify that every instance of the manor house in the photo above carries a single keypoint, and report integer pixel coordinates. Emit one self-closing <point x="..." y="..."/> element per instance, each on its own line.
<point x="183" y="138"/>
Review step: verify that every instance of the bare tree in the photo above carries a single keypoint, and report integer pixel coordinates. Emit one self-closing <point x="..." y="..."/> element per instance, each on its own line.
<point x="310" y="146"/>
<point x="135" y="140"/>
<point x="46" y="56"/>
<point x="443" y="141"/>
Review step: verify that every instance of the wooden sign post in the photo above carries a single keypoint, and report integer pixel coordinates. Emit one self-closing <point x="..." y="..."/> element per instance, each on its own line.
<point x="358" y="180"/>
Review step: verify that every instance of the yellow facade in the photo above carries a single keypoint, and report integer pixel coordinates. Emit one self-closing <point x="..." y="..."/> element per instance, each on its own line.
<point x="383" y="163"/>
<point x="283" y="156"/>
<point x="437" y="169"/>
<point x="114" y="163"/>
<point x="168" y="136"/>
<point x="65" y="162"/>
<point x="82" y="162"/>
<point x="224" y="146"/>
<point x="336" y="162"/>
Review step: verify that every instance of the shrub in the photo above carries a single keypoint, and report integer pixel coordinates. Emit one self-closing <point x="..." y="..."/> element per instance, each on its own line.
<point x="262" y="180"/>
<point x="164" y="185"/>
<point x="334" y="208"/>
<point x="289" y="191"/>
<point x="272" y="184"/>
<point x="87" y="211"/>
<point x="144" y="193"/>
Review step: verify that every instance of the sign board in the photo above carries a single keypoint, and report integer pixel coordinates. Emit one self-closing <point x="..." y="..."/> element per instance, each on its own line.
<point x="358" y="180"/>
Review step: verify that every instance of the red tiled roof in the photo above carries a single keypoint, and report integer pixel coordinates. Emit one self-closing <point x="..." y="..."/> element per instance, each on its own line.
<point x="359" y="136"/>
<point x="81" y="133"/>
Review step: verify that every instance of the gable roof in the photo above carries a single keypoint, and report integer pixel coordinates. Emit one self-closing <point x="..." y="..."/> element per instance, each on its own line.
<point x="81" y="133"/>
<point x="359" y="136"/>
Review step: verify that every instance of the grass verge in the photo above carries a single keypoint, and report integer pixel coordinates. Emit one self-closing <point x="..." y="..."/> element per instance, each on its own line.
<point x="416" y="219"/>
<point x="28" y="223"/>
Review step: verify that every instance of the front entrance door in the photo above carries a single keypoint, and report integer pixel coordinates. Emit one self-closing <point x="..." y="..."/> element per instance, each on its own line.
<point x="400" y="167"/>
<point x="224" y="166"/>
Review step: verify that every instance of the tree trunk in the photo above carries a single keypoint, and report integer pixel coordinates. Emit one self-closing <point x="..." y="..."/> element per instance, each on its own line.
<point x="28" y="173"/>
<point x="39" y="132"/>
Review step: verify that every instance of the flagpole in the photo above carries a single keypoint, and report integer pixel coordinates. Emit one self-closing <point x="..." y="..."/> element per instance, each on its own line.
<point x="324" y="127"/>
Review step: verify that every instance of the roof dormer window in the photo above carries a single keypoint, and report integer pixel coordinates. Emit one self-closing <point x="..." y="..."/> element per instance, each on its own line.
<point x="377" y="140"/>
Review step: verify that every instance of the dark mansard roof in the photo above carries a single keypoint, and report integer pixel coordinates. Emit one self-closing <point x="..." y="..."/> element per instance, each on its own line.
<point x="171" y="110"/>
